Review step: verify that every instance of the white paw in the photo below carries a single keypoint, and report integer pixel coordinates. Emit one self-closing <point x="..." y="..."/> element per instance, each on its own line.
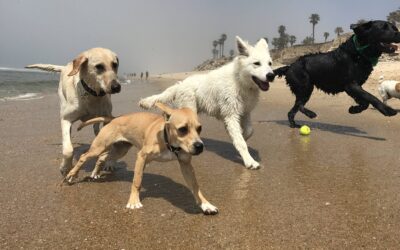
<point x="136" y="205"/>
<point x="145" y="104"/>
<point x="95" y="176"/>
<point x="209" y="209"/>
<point x="70" y="179"/>
<point x="252" y="165"/>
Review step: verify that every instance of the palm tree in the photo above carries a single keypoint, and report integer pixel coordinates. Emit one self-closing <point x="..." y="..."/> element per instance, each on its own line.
<point x="220" y="42"/>
<point x="308" y="40"/>
<point x="326" y="35"/>
<point x="223" y="39"/>
<point x="394" y="17"/>
<point x="215" y="44"/>
<point x="361" y="21"/>
<point x="314" y="19"/>
<point x="275" y="42"/>
<point x="281" y="30"/>
<point x="338" y="30"/>
<point x="292" y="40"/>
<point x="231" y="53"/>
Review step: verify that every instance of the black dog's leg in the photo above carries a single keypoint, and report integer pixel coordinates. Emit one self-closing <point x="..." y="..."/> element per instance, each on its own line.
<point x="363" y="98"/>
<point x="292" y="114"/>
<point x="301" y="100"/>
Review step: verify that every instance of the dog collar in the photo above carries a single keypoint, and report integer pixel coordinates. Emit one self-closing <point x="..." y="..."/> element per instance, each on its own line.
<point x="91" y="91"/>
<point x="171" y="148"/>
<point x="360" y="49"/>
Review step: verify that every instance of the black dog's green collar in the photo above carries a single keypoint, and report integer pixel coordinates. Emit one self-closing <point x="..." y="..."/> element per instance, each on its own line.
<point x="360" y="49"/>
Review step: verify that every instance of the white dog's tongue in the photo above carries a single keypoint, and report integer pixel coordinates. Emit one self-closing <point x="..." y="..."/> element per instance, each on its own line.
<point x="264" y="86"/>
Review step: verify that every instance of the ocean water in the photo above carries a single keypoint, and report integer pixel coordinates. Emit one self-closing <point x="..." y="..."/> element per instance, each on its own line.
<point x="24" y="84"/>
<point x="21" y="84"/>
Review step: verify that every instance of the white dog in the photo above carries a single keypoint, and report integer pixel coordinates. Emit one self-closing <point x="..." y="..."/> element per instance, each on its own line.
<point x="388" y="89"/>
<point x="229" y="93"/>
<point x="85" y="95"/>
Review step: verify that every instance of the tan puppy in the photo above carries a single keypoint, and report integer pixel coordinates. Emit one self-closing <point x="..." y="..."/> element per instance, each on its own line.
<point x="84" y="91"/>
<point x="175" y="137"/>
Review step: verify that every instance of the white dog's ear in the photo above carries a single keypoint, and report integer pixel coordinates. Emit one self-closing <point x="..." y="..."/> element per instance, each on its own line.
<point x="242" y="47"/>
<point x="262" y="43"/>
<point x="77" y="63"/>
<point x="164" y="108"/>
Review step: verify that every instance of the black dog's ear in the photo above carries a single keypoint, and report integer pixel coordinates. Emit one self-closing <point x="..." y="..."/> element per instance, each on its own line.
<point x="363" y="26"/>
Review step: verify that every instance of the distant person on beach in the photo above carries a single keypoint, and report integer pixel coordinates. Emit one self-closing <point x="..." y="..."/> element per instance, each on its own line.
<point x="147" y="74"/>
<point x="141" y="76"/>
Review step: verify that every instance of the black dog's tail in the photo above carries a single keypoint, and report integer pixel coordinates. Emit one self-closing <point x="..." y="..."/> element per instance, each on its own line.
<point x="281" y="71"/>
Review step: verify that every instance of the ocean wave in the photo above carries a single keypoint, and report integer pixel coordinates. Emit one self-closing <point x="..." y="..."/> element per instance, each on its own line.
<point x="23" y="97"/>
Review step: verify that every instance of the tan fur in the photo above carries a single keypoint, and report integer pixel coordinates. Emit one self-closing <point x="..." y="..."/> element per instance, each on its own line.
<point x="397" y="87"/>
<point x="75" y="102"/>
<point x="145" y="131"/>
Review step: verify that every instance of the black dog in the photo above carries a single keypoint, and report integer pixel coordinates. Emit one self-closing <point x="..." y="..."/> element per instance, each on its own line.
<point x="344" y="69"/>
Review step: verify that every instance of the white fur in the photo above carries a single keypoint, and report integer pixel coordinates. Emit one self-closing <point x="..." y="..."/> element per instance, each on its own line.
<point x="387" y="90"/>
<point x="227" y="93"/>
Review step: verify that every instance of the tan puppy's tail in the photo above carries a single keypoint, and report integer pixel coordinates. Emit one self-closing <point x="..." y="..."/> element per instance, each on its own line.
<point x="46" y="67"/>
<point x="104" y="119"/>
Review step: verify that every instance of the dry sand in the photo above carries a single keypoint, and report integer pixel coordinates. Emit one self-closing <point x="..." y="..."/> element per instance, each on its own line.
<point x="337" y="188"/>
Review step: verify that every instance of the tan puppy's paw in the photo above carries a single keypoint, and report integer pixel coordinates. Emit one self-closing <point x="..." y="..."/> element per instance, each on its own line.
<point x="134" y="205"/>
<point x="95" y="176"/>
<point x="209" y="209"/>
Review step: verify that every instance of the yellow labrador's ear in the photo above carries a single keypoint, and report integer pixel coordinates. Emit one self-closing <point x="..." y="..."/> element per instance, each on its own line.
<point x="167" y="110"/>
<point x="77" y="63"/>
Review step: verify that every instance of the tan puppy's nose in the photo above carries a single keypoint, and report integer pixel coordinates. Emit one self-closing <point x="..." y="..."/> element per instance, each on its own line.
<point x="198" y="147"/>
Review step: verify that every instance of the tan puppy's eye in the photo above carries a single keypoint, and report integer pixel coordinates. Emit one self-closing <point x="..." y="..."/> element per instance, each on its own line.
<point x="198" y="129"/>
<point x="183" y="131"/>
<point x="100" y="68"/>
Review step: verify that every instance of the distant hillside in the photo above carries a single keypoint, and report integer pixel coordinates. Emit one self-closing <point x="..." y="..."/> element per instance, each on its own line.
<point x="289" y="55"/>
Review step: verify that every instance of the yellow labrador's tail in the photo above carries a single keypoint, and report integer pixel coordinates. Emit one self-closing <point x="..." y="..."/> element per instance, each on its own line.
<point x="104" y="119"/>
<point x="46" y="67"/>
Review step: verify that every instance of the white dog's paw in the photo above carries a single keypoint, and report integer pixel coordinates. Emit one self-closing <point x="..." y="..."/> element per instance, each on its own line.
<point x="253" y="165"/>
<point x="135" y="205"/>
<point x="146" y="103"/>
<point x="209" y="209"/>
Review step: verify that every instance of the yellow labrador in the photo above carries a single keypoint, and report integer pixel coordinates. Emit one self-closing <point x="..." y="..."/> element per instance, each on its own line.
<point x="84" y="90"/>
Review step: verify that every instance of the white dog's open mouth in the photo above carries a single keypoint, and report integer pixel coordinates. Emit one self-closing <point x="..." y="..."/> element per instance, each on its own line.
<point x="389" y="47"/>
<point x="264" y="86"/>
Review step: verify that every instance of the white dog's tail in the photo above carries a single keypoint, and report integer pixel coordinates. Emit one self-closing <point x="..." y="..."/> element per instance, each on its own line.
<point x="46" y="67"/>
<point x="104" y="119"/>
<point x="165" y="97"/>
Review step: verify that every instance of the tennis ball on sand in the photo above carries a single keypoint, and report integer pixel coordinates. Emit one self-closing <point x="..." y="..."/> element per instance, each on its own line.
<point x="305" y="130"/>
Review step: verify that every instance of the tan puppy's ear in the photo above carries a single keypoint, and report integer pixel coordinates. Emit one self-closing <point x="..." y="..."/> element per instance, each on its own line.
<point x="167" y="110"/>
<point x="77" y="63"/>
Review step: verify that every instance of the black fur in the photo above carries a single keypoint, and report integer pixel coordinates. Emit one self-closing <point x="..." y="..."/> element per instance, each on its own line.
<point x="343" y="69"/>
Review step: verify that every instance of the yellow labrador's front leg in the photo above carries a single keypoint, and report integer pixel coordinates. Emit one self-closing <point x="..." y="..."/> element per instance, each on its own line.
<point x="190" y="178"/>
<point x="134" y="200"/>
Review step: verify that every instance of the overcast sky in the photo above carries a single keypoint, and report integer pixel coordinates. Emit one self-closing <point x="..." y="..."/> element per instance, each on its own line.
<point x="162" y="35"/>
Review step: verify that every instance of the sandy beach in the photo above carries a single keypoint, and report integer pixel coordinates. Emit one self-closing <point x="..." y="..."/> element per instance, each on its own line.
<point x="337" y="188"/>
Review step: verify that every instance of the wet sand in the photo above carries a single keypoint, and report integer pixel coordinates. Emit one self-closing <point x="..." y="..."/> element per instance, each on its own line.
<point x="337" y="188"/>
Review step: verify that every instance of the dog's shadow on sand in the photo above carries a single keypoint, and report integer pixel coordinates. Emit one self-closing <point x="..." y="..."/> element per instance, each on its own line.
<point x="153" y="185"/>
<point x="227" y="150"/>
<point x="333" y="128"/>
